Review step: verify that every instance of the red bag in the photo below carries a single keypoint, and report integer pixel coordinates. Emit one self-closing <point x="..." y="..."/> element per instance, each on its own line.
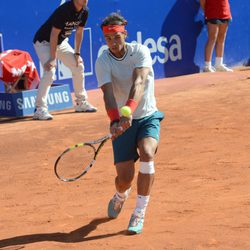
<point x="17" y="64"/>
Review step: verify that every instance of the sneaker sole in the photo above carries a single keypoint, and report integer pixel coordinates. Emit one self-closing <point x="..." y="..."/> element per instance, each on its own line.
<point x="38" y="119"/>
<point x="133" y="232"/>
<point x="208" y="71"/>
<point x="86" y="111"/>
<point x="224" y="71"/>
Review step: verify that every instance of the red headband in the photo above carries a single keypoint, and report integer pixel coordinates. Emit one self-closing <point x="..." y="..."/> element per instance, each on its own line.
<point x="113" y="29"/>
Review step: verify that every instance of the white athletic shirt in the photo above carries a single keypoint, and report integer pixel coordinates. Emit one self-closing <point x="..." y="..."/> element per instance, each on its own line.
<point x="119" y="71"/>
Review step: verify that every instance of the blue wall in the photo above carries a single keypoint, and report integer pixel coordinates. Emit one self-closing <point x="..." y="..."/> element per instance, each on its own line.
<point x="173" y="30"/>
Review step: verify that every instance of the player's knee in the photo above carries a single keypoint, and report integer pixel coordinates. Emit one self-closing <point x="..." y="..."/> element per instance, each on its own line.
<point x="147" y="154"/>
<point x="147" y="167"/>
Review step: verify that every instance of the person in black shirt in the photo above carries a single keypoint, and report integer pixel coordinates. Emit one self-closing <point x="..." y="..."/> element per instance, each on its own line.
<point x="51" y="42"/>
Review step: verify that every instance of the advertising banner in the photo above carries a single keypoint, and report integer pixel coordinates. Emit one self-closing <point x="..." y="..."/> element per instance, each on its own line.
<point x="174" y="31"/>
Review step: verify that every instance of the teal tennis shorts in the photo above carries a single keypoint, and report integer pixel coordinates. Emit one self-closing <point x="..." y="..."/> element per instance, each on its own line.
<point x="125" y="146"/>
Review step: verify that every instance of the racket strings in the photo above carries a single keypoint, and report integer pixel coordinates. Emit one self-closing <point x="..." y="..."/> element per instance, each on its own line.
<point x="74" y="162"/>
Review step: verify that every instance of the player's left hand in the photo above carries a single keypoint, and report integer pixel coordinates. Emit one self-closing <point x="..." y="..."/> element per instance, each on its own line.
<point x="78" y="59"/>
<point x="125" y="122"/>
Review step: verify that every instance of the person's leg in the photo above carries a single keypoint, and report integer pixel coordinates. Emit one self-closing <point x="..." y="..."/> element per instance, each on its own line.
<point x="212" y="30"/>
<point x="125" y="174"/>
<point x="220" y="45"/>
<point x="66" y="55"/>
<point x="220" y="42"/>
<point x="147" y="142"/>
<point x="125" y="155"/>
<point x="147" y="148"/>
<point x="43" y="53"/>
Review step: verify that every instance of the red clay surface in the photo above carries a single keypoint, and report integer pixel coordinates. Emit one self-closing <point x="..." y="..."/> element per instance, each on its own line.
<point x="200" y="199"/>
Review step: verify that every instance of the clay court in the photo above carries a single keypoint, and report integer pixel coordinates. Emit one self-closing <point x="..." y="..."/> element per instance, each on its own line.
<point x="200" y="198"/>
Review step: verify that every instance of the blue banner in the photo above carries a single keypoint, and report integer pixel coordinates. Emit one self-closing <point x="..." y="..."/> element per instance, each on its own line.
<point x="173" y="30"/>
<point x="23" y="103"/>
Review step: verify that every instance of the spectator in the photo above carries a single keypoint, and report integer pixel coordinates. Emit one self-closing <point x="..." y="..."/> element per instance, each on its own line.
<point x="51" y="42"/>
<point x="217" y="16"/>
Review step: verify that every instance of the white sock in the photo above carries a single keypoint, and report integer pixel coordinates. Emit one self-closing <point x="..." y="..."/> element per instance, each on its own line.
<point x="122" y="196"/>
<point x="218" y="61"/>
<point x="208" y="64"/>
<point x="141" y="204"/>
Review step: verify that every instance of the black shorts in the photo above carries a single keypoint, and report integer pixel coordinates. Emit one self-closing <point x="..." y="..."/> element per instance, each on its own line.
<point x="217" y="21"/>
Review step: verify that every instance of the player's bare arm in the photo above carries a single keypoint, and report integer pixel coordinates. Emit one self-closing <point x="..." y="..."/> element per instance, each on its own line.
<point x="111" y="105"/>
<point x="136" y="92"/>
<point x="78" y="44"/>
<point x="108" y="96"/>
<point x="53" y="45"/>
<point x="139" y="79"/>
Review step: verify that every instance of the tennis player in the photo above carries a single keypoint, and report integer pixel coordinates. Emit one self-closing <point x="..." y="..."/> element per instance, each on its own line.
<point x="217" y="17"/>
<point x="51" y="43"/>
<point x="126" y="77"/>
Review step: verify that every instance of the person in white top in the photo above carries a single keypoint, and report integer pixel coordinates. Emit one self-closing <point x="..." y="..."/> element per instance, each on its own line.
<point x="126" y="77"/>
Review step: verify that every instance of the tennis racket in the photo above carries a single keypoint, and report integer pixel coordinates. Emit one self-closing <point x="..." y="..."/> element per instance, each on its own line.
<point x="76" y="161"/>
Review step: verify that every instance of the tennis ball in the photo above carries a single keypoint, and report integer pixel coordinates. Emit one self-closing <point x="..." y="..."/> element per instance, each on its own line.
<point x="125" y="111"/>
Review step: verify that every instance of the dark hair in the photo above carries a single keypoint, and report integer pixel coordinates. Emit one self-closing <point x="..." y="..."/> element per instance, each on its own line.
<point x="114" y="19"/>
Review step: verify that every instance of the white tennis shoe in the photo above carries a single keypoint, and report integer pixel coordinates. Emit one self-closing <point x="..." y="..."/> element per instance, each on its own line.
<point x="85" y="106"/>
<point x="222" y="68"/>
<point x="210" y="69"/>
<point x="42" y="114"/>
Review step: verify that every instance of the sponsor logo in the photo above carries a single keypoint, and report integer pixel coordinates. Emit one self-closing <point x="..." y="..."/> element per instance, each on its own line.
<point x="53" y="98"/>
<point x="72" y="23"/>
<point x="162" y="50"/>
<point x="5" y="105"/>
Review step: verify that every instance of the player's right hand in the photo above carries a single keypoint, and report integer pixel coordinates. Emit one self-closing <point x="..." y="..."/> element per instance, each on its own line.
<point x="116" y="130"/>
<point x="125" y="122"/>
